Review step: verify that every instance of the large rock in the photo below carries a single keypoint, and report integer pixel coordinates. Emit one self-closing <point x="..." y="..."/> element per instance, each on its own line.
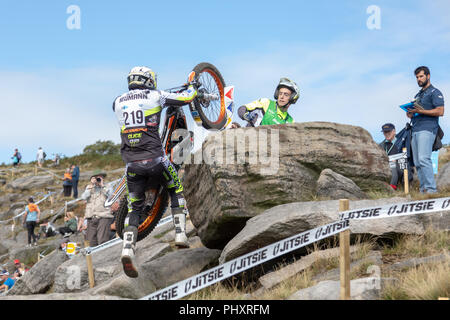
<point x="31" y="182"/>
<point x="18" y="205"/>
<point x="41" y="276"/>
<point x="3" y="249"/>
<point x="274" y="278"/>
<point x="287" y="220"/>
<point x="333" y="185"/>
<point x="443" y="178"/>
<point x="160" y="273"/>
<point x="360" y="289"/>
<point x="106" y="265"/>
<point x="29" y="255"/>
<point x="61" y="296"/>
<point x="222" y="195"/>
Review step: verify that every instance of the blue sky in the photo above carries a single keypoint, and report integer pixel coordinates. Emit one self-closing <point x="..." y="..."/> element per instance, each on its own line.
<point x="57" y="85"/>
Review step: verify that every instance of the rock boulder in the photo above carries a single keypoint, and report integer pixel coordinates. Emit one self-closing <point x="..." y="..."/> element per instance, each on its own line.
<point x="278" y="164"/>
<point x="333" y="185"/>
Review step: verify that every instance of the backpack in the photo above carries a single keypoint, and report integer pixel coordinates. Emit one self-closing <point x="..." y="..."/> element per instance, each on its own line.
<point x="438" y="140"/>
<point x="19" y="156"/>
<point x="45" y="155"/>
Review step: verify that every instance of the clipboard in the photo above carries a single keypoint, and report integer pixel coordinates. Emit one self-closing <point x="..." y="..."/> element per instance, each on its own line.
<point x="411" y="105"/>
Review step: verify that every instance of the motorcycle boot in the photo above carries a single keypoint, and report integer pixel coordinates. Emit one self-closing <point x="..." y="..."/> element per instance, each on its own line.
<point x="128" y="251"/>
<point x="179" y="221"/>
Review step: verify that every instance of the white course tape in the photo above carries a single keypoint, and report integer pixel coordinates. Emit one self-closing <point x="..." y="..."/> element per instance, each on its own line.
<point x="247" y="261"/>
<point x="252" y="259"/>
<point x="115" y="241"/>
<point x="23" y="212"/>
<point x="397" y="210"/>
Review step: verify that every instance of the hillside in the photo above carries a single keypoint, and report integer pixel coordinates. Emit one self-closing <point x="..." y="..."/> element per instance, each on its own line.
<point x="411" y="266"/>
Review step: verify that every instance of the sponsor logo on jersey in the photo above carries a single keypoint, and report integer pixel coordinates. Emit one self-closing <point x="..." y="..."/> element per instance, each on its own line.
<point x="133" y="96"/>
<point x="134" y="130"/>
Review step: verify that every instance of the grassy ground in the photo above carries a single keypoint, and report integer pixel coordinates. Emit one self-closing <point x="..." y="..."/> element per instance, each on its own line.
<point x="429" y="281"/>
<point x="426" y="282"/>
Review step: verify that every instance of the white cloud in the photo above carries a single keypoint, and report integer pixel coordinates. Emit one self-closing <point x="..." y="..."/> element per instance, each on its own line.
<point x="359" y="79"/>
<point x="60" y="110"/>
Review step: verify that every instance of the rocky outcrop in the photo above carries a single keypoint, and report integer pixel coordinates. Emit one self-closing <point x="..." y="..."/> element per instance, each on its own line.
<point x="443" y="178"/>
<point x="289" y="219"/>
<point x="237" y="182"/>
<point x="41" y="276"/>
<point x="31" y="182"/>
<point x="160" y="273"/>
<point x="61" y="296"/>
<point x="360" y="289"/>
<point x="333" y="185"/>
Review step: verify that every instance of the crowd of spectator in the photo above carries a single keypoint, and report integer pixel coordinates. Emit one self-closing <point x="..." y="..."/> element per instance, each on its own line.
<point x="8" y="280"/>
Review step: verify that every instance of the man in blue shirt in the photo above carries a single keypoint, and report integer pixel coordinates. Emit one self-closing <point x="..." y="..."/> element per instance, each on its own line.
<point x="75" y="178"/>
<point x="425" y="125"/>
<point x="7" y="281"/>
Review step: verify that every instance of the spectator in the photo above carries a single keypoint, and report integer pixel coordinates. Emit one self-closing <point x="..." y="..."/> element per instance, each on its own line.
<point x="429" y="105"/>
<point x="114" y="209"/>
<point x="31" y="218"/>
<point x="75" y="177"/>
<point x="269" y="112"/>
<point x="82" y="226"/>
<point x="388" y="145"/>
<point x="99" y="218"/>
<point x="67" y="183"/>
<point x="47" y="229"/>
<point x="17" y="157"/>
<point x="56" y="160"/>
<point x="40" y="156"/>
<point x="70" y="225"/>
<point x="63" y="244"/>
<point x="8" y="282"/>
<point x="235" y="125"/>
<point x="20" y="268"/>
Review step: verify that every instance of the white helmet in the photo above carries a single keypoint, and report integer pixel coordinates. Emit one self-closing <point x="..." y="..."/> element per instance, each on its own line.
<point x="141" y="78"/>
<point x="291" y="85"/>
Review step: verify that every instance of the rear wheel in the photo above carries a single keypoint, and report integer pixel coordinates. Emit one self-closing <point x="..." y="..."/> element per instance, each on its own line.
<point x="211" y="108"/>
<point x="149" y="218"/>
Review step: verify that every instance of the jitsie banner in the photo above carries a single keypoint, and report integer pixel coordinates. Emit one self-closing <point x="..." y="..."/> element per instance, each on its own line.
<point x="250" y="260"/>
<point x="397" y="210"/>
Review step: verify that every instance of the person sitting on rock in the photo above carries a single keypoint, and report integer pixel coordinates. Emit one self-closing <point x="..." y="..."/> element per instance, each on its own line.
<point x="47" y="229"/>
<point x="8" y="282"/>
<point x="20" y="268"/>
<point x="269" y="112"/>
<point x="70" y="225"/>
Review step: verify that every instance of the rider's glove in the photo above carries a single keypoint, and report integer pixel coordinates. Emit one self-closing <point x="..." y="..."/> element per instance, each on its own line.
<point x="194" y="83"/>
<point x="250" y="116"/>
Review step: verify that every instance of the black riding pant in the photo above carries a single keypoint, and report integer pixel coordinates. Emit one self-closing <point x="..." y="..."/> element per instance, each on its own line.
<point x="140" y="174"/>
<point x="30" y="228"/>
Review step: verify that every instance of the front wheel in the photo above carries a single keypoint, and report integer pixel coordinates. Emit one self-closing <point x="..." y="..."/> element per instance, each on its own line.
<point x="149" y="218"/>
<point x="210" y="105"/>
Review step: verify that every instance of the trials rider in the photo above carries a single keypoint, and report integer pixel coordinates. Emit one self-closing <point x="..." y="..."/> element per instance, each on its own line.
<point x="139" y="112"/>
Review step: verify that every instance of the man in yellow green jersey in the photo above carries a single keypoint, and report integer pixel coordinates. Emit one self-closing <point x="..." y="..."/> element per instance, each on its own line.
<point x="268" y="112"/>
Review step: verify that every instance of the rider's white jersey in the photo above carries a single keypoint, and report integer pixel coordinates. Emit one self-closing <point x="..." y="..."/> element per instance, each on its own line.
<point x="139" y="114"/>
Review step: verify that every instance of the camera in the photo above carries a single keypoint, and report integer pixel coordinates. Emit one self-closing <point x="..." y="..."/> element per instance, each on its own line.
<point x="98" y="179"/>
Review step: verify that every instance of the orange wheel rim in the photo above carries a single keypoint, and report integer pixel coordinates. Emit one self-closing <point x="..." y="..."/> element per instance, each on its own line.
<point x="222" y="99"/>
<point x="151" y="217"/>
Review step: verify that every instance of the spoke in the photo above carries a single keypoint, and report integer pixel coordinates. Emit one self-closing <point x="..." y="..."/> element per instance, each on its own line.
<point x="209" y="84"/>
